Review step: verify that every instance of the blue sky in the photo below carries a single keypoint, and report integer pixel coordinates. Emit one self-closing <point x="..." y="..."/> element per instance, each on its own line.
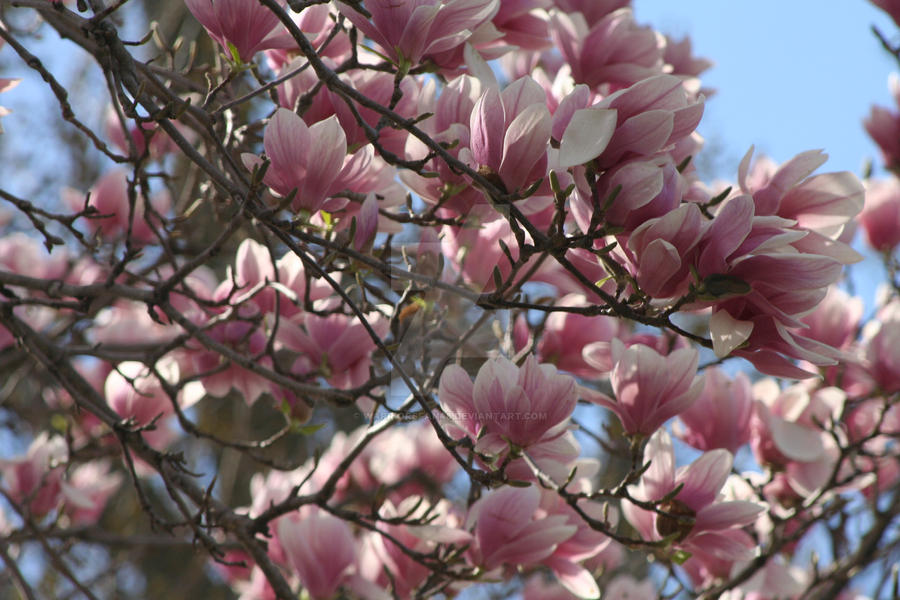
<point x="790" y="75"/>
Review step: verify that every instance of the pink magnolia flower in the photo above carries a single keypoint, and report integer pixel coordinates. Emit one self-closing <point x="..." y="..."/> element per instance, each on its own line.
<point x="511" y="529"/>
<point x="600" y="354"/>
<point x="317" y="22"/>
<point x="648" y="388"/>
<point x="410" y="460"/>
<point x="566" y="334"/>
<point x="883" y="125"/>
<point x="409" y="31"/>
<point x="565" y="561"/>
<point x="651" y="115"/>
<point x="522" y="25"/>
<point x="476" y="251"/>
<point x="217" y="375"/>
<point x="680" y="57"/>
<point x="648" y="189"/>
<point x="255" y="283"/>
<point x="696" y="519"/>
<point x="321" y="548"/>
<point x="880" y="217"/>
<point x="614" y="51"/>
<point x="510" y="134"/>
<point x="882" y="352"/>
<point x="507" y="404"/>
<point x="449" y="124"/>
<point x="25" y="255"/>
<point x="245" y="24"/>
<point x="822" y="205"/>
<point x="306" y="159"/>
<point x="759" y="284"/>
<point x="836" y="319"/>
<point x="136" y="394"/>
<point x="116" y="217"/>
<point x="126" y="323"/>
<point x="87" y="491"/>
<point x="720" y="417"/>
<point x="337" y="346"/>
<point x="379" y="86"/>
<point x="659" y="251"/>
<point x="787" y="433"/>
<point x="34" y="481"/>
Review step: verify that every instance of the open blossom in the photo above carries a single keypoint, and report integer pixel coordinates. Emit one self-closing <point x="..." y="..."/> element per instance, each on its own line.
<point x="510" y="529"/>
<point x="337" y="346"/>
<point x="648" y="388"/>
<point x="507" y="404"/>
<point x="245" y="24"/>
<point x="651" y="115"/>
<point x="566" y="560"/>
<point x="449" y="124"/>
<point x="883" y="125"/>
<point x="566" y="335"/>
<point x="306" y="159"/>
<point x="245" y="339"/>
<point x="821" y="205"/>
<point x="476" y="251"/>
<point x="136" y="394"/>
<point x="522" y="24"/>
<point x="882" y="351"/>
<point x="87" y="490"/>
<point x="696" y="518"/>
<point x="720" y="417"/>
<point x="36" y="478"/>
<point x="412" y="30"/>
<point x="760" y="272"/>
<point x="615" y="50"/>
<point x="788" y="435"/>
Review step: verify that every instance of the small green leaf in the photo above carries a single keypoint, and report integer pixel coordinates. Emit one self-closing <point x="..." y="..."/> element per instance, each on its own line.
<point x="235" y="55"/>
<point x="307" y="429"/>
<point x="518" y="484"/>
<point x="679" y="557"/>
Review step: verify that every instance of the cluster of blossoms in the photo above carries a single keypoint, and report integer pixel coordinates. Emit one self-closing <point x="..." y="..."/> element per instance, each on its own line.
<point x="416" y="164"/>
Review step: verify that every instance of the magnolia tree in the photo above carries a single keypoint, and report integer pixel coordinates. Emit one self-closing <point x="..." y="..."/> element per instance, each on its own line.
<point x="427" y="298"/>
